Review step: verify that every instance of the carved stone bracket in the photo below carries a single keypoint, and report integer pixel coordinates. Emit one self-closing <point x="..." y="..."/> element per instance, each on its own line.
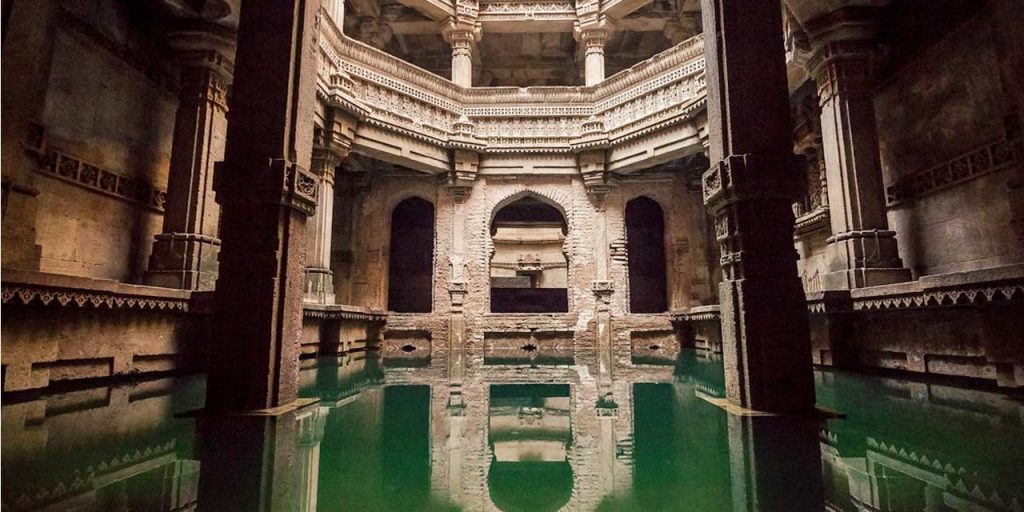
<point x="603" y="289"/>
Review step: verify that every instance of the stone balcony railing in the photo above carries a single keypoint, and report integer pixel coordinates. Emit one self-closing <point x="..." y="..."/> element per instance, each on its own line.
<point x="392" y="96"/>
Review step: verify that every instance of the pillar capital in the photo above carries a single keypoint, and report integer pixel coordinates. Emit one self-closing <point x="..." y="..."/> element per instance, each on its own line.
<point x="597" y="181"/>
<point x="593" y="33"/>
<point x="459" y="181"/>
<point x="462" y="32"/>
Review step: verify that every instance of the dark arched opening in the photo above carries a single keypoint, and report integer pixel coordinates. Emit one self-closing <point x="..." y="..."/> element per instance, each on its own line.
<point x="529" y="271"/>
<point x="411" y="259"/>
<point x="645" y="244"/>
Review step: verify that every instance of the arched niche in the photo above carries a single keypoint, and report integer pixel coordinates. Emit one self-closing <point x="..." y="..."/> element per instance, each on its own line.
<point x="645" y="245"/>
<point x="529" y="268"/>
<point x="411" y="257"/>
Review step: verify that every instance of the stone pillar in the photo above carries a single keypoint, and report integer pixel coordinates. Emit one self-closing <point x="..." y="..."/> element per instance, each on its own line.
<point x="331" y="147"/>
<point x="319" y="277"/>
<point x="862" y="249"/>
<point x="459" y="184"/>
<point x="462" y="34"/>
<point x="185" y="252"/>
<point x="766" y="346"/>
<point x="266" y="192"/>
<point x="598" y="182"/>
<point x="593" y="36"/>
<point x="335" y="9"/>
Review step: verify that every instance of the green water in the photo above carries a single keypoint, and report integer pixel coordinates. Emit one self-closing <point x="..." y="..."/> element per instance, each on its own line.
<point x="396" y="438"/>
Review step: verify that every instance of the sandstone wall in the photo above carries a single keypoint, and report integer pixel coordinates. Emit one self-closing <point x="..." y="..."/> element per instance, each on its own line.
<point x="105" y="102"/>
<point x="945" y="120"/>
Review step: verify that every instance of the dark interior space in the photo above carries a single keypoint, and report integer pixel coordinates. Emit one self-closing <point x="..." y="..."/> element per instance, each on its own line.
<point x="645" y="243"/>
<point x="411" y="259"/>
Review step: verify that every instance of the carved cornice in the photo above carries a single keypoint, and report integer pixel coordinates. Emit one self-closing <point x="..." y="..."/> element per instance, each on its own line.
<point x="341" y="312"/>
<point x="34" y="288"/>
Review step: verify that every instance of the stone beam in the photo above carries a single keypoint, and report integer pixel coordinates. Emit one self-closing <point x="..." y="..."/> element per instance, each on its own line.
<point x="621" y="8"/>
<point x="266" y="191"/>
<point x="765" y="335"/>
<point x="436" y="10"/>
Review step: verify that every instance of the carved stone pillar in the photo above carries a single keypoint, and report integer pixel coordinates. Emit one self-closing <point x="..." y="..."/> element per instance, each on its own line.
<point x="266" y="192"/>
<point x="333" y="146"/>
<point x="462" y="34"/>
<point x="185" y="252"/>
<point x="593" y="36"/>
<point x="862" y="249"/>
<point x="766" y="347"/>
<point x="335" y="9"/>
<point x="459" y="184"/>
<point x="319" y="277"/>
<point x="598" y="183"/>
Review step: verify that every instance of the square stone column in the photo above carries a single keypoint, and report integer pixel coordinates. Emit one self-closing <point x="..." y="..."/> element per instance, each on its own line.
<point x="766" y="345"/>
<point x="185" y="252"/>
<point x="593" y="35"/>
<point x="462" y="32"/>
<point x="266" y="193"/>
<point x="862" y="250"/>
<point x="319" y="277"/>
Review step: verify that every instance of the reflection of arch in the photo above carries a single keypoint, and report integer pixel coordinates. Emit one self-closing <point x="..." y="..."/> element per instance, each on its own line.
<point x="645" y="246"/>
<point x="411" y="257"/>
<point x="529" y="268"/>
<point x="530" y="486"/>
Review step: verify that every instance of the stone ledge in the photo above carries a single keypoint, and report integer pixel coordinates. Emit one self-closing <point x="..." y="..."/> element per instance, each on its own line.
<point x="28" y="288"/>
<point x="697" y="314"/>
<point x="342" y="312"/>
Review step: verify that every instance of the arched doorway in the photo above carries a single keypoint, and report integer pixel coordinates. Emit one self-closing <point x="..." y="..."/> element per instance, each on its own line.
<point x="411" y="257"/>
<point x="645" y="245"/>
<point x="529" y="270"/>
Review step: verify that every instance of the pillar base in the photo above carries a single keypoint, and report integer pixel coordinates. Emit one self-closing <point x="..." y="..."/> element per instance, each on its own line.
<point x="864" y="277"/>
<point x="187" y="261"/>
<point x="319" y="286"/>
<point x="859" y="259"/>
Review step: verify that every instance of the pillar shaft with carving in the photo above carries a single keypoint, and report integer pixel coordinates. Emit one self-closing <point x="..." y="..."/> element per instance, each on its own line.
<point x="462" y="34"/>
<point x="593" y="36"/>
<point x="185" y="252"/>
<point x="766" y="347"/>
<point x="862" y="250"/>
<point x="266" y="192"/>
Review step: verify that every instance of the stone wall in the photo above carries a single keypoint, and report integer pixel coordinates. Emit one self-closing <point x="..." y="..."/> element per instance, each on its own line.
<point x="949" y="136"/>
<point x="105" y="104"/>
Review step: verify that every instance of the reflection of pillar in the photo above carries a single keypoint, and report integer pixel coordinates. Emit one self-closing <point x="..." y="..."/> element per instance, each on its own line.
<point x="606" y="450"/>
<point x="593" y="37"/>
<point x="185" y="252"/>
<point x="311" y="424"/>
<point x="862" y="249"/>
<point x="763" y="310"/>
<point x="252" y="462"/>
<point x="266" y="193"/>
<point x="462" y="34"/>
<point x="775" y="463"/>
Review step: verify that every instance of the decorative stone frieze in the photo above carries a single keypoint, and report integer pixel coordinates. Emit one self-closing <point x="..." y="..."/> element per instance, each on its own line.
<point x="32" y="288"/>
<point x="388" y="94"/>
<point x="69" y="168"/>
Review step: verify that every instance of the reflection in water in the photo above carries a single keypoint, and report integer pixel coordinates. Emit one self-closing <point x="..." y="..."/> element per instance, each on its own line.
<point x="404" y="439"/>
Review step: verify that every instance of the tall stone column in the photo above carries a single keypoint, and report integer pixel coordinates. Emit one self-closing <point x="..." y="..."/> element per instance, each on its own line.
<point x="766" y="347"/>
<point x="598" y="182"/>
<point x="266" y="192"/>
<point x="862" y="249"/>
<point x="459" y="184"/>
<point x="185" y="252"/>
<point x="319" y="277"/>
<point x="333" y="146"/>
<point x="593" y="36"/>
<point x="462" y="34"/>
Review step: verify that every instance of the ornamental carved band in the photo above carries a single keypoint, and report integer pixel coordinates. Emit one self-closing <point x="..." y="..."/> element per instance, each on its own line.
<point x="751" y="176"/>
